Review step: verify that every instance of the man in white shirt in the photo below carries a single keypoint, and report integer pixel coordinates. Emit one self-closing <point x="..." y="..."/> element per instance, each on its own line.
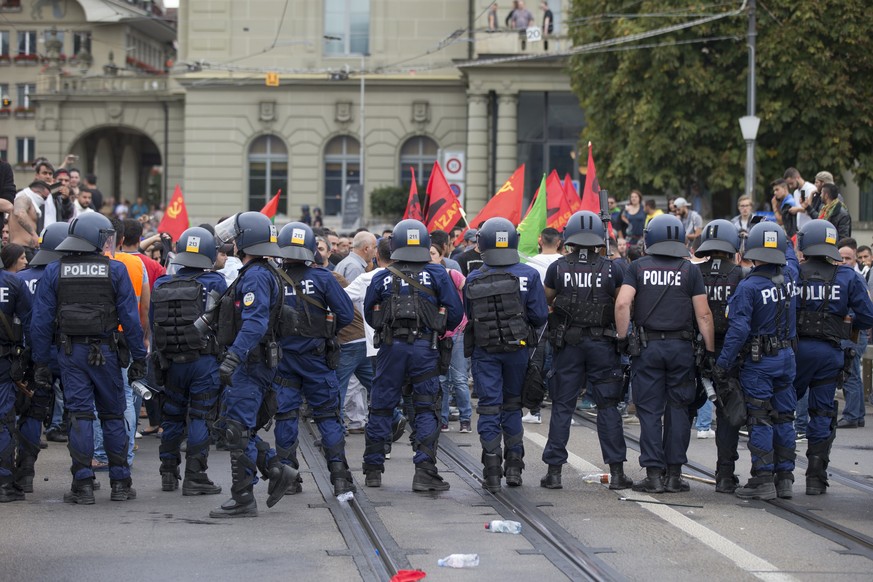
<point x="550" y="242"/>
<point x="803" y="192"/>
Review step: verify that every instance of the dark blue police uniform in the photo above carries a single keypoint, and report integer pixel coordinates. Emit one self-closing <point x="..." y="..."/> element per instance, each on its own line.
<point x="303" y="370"/>
<point x="190" y="378"/>
<point x="407" y="351"/>
<point x="584" y="316"/>
<point x="664" y="372"/>
<point x="15" y="304"/>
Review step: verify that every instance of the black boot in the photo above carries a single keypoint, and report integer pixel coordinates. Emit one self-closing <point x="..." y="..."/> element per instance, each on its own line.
<point x="784" y="484"/>
<point x="242" y="501"/>
<point x="373" y="475"/>
<point x="241" y="504"/>
<point x="122" y="490"/>
<point x="170" y="474"/>
<point x="9" y="491"/>
<point x="341" y="478"/>
<point x="653" y="483"/>
<point x="725" y="479"/>
<point x="81" y="492"/>
<point x="760" y="486"/>
<point x="281" y="477"/>
<point x="427" y="478"/>
<point x="816" y="475"/>
<point x="617" y="478"/>
<point x="512" y="468"/>
<point x="552" y="480"/>
<point x="674" y="483"/>
<point x="290" y="455"/>
<point x="491" y="472"/>
<point x="24" y="472"/>
<point x="197" y="482"/>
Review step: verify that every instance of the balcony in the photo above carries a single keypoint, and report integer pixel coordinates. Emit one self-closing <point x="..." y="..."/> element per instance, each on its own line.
<point x="84" y="86"/>
<point x="25" y="113"/>
<point x="515" y="43"/>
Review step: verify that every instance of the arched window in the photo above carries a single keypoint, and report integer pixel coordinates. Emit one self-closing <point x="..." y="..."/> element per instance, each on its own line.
<point x="268" y="170"/>
<point x="341" y="168"/>
<point x="420" y="153"/>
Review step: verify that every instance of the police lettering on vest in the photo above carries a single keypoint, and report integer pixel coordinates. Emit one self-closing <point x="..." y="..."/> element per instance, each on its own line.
<point x="720" y="278"/>
<point x="585" y="297"/>
<point x="84" y="270"/>
<point x="661" y="278"/>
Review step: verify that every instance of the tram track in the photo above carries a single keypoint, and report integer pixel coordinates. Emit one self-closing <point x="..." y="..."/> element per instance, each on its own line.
<point x="375" y="553"/>
<point x="853" y="541"/>
<point x="565" y="551"/>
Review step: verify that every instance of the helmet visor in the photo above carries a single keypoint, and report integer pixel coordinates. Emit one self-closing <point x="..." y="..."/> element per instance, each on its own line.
<point x="106" y="239"/>
<point x="226" y="230"/>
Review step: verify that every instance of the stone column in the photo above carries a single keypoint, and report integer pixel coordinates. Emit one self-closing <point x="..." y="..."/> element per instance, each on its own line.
<point x="477" y="154"/>
<point x="507" y="136"/>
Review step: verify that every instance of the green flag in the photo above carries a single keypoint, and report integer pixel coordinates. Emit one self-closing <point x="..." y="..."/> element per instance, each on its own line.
<point x="533" y="224"/>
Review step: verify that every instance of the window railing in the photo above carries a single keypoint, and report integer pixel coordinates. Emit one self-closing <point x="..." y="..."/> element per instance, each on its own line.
<point x="57" y="84"/>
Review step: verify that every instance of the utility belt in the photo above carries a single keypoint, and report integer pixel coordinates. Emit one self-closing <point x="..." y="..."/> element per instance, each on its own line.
<point x="388" y="335"/>
<point x="647" y="335"/>
<point x="761" y="346"/>
<point x="267" y="353"/>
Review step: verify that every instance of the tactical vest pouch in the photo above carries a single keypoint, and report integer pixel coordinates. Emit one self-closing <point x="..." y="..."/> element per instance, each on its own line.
<point x="498" y="312"/>
<point x="557" y="329"/>
<point x="824" y="326"/>
<point x="86" y="297"/>
<point x="288" y="321"/>
<point x="332" y="352"/>
<point x="719" y="322"/>
<point x="177" y="305"/>
<point x="226" y="319"/>
<point x="378" y="316"/>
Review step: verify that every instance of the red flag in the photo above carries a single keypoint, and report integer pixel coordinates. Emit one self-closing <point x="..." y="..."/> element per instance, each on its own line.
<point x="413" y="204"/>
<point x="571" y="195"/>
<point x="558" y="205"/>
<point x="506" y="203"/>
<point x="175" y="220"/>
<point x="270" y="209"/>
<point x="443" y="209"/>
<point x="591" y="193"/>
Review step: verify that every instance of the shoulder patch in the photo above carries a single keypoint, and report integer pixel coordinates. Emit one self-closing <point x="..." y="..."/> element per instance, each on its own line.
<point x="248" y="299"/>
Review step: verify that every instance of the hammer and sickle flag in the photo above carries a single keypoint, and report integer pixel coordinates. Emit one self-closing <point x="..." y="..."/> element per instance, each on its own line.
<point x="175" y="220"/>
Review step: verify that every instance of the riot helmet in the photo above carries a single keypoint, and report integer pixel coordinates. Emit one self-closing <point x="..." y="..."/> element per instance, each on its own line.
<point x="253" y="232"/>
<point x="89" y="232"/>
<point x="818" y="238"/>
<point x="585" y="229"/>
<point x="410" y="242"/>
<point x="665" y="235"/>
<point x="766" y="243"/>
<point x="296" y="241"/>
<point x="498" y="242"/>
<point x="718" y="236"/>
<point x="52" y="235"/>
<point x="195" y="248"/>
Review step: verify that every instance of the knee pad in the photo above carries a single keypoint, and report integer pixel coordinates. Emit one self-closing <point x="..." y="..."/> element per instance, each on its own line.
<point x="511" y="404"/>
<point x="236" y="434"/>
<point x="324" y="413"/>
<point x="290" y="415"/>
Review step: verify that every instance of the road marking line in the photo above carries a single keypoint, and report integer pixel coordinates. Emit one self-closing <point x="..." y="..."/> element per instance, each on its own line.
<point x="754" y="565"/>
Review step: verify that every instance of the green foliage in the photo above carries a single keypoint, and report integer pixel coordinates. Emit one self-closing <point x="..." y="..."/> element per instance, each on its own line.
<point x="662" y="118"/>
<point x="388" y="201"/>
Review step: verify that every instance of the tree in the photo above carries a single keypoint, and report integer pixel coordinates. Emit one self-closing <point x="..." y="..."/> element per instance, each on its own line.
<point x="665" y="117"/>
<point x="388" y="201"/>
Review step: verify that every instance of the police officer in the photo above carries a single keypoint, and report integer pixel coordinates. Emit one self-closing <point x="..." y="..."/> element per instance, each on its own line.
<point x="315" y="308"/>
<point x="721" y="275"/>
<point x="761" y="331"/>
<point x="581" y="288"/>
<point x="37" y="407"/>
<point x="88" y="295"/>
<point x="247" y="320"/>
<point x="504" y="299"/>
<point x="184" y="358"/>
<point x="665" y="290"/>
<point x="15" y="305"/>
<point x="828" y="293"/>
<point x="410" y="305"/>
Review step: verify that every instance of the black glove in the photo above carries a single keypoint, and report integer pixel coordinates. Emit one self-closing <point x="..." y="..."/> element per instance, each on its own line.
<point x="137" y="371"/>
<point x="708" y="364"/>
<point x="719" y="375"/>
<point x="42" y="377"/>
<point x="621" y="345"/>
<point x="228" y="366"/>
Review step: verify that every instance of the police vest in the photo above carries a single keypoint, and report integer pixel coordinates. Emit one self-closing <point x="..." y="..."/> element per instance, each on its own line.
<point x="586" y="300"/>
<point x="86" y="297"/>
<point x="177" y="305"/>
<point x="720" y="277"/>
<point x="498" y="315"/>
<point x="408" y="315"/>
<point x="820" y="323"/>
<point x="309" y="317"/>
<point x="229" y="316"/>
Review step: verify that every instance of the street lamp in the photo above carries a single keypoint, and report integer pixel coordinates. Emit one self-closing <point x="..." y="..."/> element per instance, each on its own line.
<point x="749" y="126"/>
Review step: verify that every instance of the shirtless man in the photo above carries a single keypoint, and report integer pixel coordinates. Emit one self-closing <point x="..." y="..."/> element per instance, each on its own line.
<point x="27" y="209"/>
